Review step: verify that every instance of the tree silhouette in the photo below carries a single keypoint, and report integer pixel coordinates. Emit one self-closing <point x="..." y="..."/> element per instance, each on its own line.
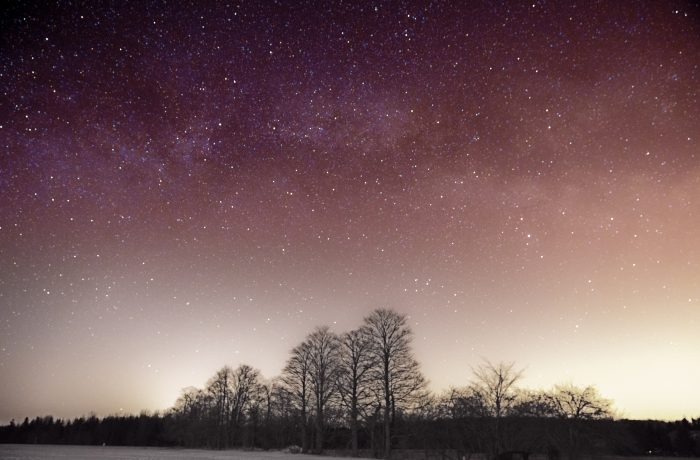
<point x="397" y="372"/>
<point x="495" y="385"/>
<point x="246" y="395"/>
<point x="575" y="405"/>
<point x="296" y="378"/>
<point x="232" y="394"/>
<point x="191" y="412"/>
<point x="369" y="374"/>
<point x="219" y="389"/>
<point x="569" y="401"/>
<point x="354" y="379"/>
<point x="323" y="347"/>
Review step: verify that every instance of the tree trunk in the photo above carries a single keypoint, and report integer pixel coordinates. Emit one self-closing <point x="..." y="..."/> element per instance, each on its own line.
<point x="387" y="430"/>
<point x="319" y="430"/>
<point x="387" y="409"/>
<point x="304" y="437"/>
<point x="353" y="427"/>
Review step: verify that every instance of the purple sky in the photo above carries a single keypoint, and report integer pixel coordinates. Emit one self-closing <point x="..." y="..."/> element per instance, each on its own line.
<point x="185" y="187"/>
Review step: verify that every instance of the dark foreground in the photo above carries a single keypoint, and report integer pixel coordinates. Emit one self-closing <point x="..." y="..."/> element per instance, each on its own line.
<point x="47" y="452"/>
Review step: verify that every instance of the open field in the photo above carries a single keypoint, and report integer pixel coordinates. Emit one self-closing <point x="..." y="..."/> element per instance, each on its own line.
<point x="49" y="452"/>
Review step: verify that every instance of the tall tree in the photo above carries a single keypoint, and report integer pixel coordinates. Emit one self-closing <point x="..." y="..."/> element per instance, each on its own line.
<point x="267" y="393"/>
<point x="495" y="385"/>
<point x="354" y="378"/>
<point x="232" y="392"/>
<point x="397" y="373"/>
<point x="244" y="388"/>
<point x="296" y="378"/>
<point x="219" y="388"/>
<point x="324" y="350"/>
<point x="245" y="395"/>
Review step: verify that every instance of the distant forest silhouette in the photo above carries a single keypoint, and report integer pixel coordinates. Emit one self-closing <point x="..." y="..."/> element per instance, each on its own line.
<point x="363" y="393"/>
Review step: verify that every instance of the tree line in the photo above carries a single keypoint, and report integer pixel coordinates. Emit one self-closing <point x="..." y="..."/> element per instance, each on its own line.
<point x="358" y="381"/>
<point x="363" y="392"/>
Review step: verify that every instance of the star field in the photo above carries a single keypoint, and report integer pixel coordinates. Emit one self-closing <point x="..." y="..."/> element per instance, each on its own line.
<point x="189" y="185"/>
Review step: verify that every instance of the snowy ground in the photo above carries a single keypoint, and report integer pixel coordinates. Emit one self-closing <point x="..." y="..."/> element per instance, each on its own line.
<point x="33" y="452"/>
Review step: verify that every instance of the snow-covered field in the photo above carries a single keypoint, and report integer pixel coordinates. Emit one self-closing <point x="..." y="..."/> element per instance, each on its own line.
<point x="34" y="452"/>
<point x="48" y="452"/>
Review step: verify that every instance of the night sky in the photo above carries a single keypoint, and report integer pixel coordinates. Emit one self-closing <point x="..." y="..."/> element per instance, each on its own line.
<point x="185" y="186"/>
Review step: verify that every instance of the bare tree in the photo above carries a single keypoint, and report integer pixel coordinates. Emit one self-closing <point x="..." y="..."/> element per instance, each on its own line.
<point x="323" y="348"/>
<point x="397" y="372"/>
<point x="232" y="392"/>
<point x="187" y="404"/>
<point x="462" y="403"/>
<point x="245" y="398"/>
<point x="354" y="378"/>
<point x="495" y="385"/>
<point x="570" y="401"/>
<point x="191" y="411"/>
<point x="219" y="388"/>
<point x="464" y="406"/>
<point x="577" y="405"/>
<point x="267" y="394"/>
<point x="296" y="378"/>
<point x="244" y="388"/>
